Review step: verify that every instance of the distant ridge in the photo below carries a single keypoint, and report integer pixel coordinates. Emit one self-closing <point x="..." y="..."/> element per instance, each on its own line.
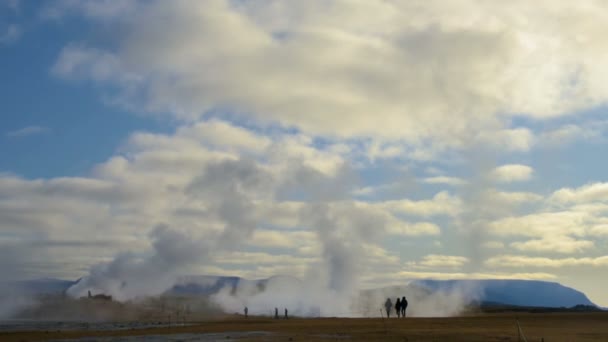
<point x="42" y="286"/>
<point x="523" y="293"/>
<point x="203" y="285"/>
<point x="528" y="293"/>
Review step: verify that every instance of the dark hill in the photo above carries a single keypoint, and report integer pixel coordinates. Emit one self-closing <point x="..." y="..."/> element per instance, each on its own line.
<point x="527" y="293"/>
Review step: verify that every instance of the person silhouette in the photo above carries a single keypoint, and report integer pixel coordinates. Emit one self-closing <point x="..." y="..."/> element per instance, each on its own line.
<point x="398" y="307"/>
<point x="276" y="313"/>
<point x="388" y="305"/>
<point x="403" y="306"/>
<point x="286" y="312"/>
<point x="246" y="311"/>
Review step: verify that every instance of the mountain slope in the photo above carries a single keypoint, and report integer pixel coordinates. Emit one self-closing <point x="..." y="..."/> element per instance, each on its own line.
<point x="41" y="286"/>
<point x="513" y="292"/>
<point x="510" y="292"/>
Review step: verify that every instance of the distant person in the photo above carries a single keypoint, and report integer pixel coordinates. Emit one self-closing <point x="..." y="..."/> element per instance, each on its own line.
<point x="286" y="312"/>
<point x="246" y="311"/>
<point x="276" y="313"/>
<point x="403" y="306"/>
<point x="398" y="307"/>
<point x="388" y="305"/>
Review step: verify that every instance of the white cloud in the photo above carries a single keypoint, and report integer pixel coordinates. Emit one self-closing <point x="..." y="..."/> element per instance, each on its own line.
<point x="285" y="113"/>
<point x="444" y="74"/>
<point x="441" y="204"/>
<point x="591" y="130"/>
<point x="575" y="229"/>
<point x="512" y="173"/>
<point x="12" y="4"/>
<point x="377" y="255"/>
<point x="260" y="258"/>
<point x="301" y="148"/>
<point x="401" y="228"/>
<point x="599" y="230"/>
<point x="594" y="192"/>
<point x="281" y="239"/>
<point x="76" y="60"/>
<point x="280" y="214"/>
<point x="516" y="139"/>
<point x="511" y="198"/>
<point x="222" y="135"/>
<point x="477" y="275"/>
<point x="454" y="181"/>
<point x="377" y="150"/>
<point x="217" y="188"/>
<point x="11" y="34"/>
<point x="539" y="262"/>
<point x="441" y="261"/>
<point x="27" y="131"/>
<point x="100" y="9"/>
<point x="541" y="224"/>
<point x="554" y="244"/>
<point x="493" y="245"/>
<point x="385" y="190"/>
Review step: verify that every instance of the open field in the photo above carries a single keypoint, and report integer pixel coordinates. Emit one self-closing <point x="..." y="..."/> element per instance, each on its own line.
<point x="486" y="327"/>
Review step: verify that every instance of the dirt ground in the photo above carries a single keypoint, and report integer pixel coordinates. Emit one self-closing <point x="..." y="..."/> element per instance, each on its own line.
<point x="550" y="327"/>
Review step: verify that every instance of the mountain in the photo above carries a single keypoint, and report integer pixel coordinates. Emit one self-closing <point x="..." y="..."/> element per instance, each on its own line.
<point x="527" y="293"/>
<point x="41" y="286"/>
<point x="512" y="292"/>
<point x="203" y="285"/>
<point x="208" y="285"/>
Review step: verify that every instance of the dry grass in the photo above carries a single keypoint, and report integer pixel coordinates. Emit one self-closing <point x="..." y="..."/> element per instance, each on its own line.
<point x="489" y="327"/>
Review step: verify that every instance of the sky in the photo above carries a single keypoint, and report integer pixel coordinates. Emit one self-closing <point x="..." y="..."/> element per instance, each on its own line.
<point x="379" y="140"/>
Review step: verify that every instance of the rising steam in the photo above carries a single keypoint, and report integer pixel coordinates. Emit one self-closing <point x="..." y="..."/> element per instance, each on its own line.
<point x="129" y="276"/>
<point x="230" y="191"/>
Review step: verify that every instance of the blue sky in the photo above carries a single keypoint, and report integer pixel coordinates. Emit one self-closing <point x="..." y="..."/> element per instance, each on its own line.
<point x="430" y="144"/>
<point x="79" y="130"/>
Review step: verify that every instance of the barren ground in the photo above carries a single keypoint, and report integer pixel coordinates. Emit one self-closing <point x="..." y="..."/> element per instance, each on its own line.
<point x="487" y="327"/>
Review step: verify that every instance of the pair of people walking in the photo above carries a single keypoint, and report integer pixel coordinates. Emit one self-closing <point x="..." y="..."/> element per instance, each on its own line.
<point x="400" y="307"/>
<point x="276" y="313"/>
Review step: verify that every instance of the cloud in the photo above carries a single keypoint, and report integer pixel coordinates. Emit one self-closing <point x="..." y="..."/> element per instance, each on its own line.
<point x="440" y="261"/>
<point x="589" y="193"/>
<point x="518" y="139"/>
<point x="261" y="259"/>
<point x="516" y="261"/>
<point x="11" y="34"/>
<point x="582" y="130"/>
<point x="599" y="230"/>
<point x="493" y="245"/>
<point x="454" y="181"/>
<point x="541" y="224"/>
<point x="284" y="113"/>
<point x="443" y="203"/>
<point x="512" y="198"/>
<point x="223" y="135"/>
<point x="581" y="220"/>
<point x="377" y="150"/>
<point x="27" y="131"/>
<point x="554" y="244"/>
<point x="221" y="191"/>
<point x="12" y="4"/>
<point x="74" y="61"/>
<point x="512" y="173"/>
<point x="282" y="239"/>
<point x="97" y="9"/>
<point x="477" y="275"/>
<point x="319" y="73"/>
<point x="413" y="229"/>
